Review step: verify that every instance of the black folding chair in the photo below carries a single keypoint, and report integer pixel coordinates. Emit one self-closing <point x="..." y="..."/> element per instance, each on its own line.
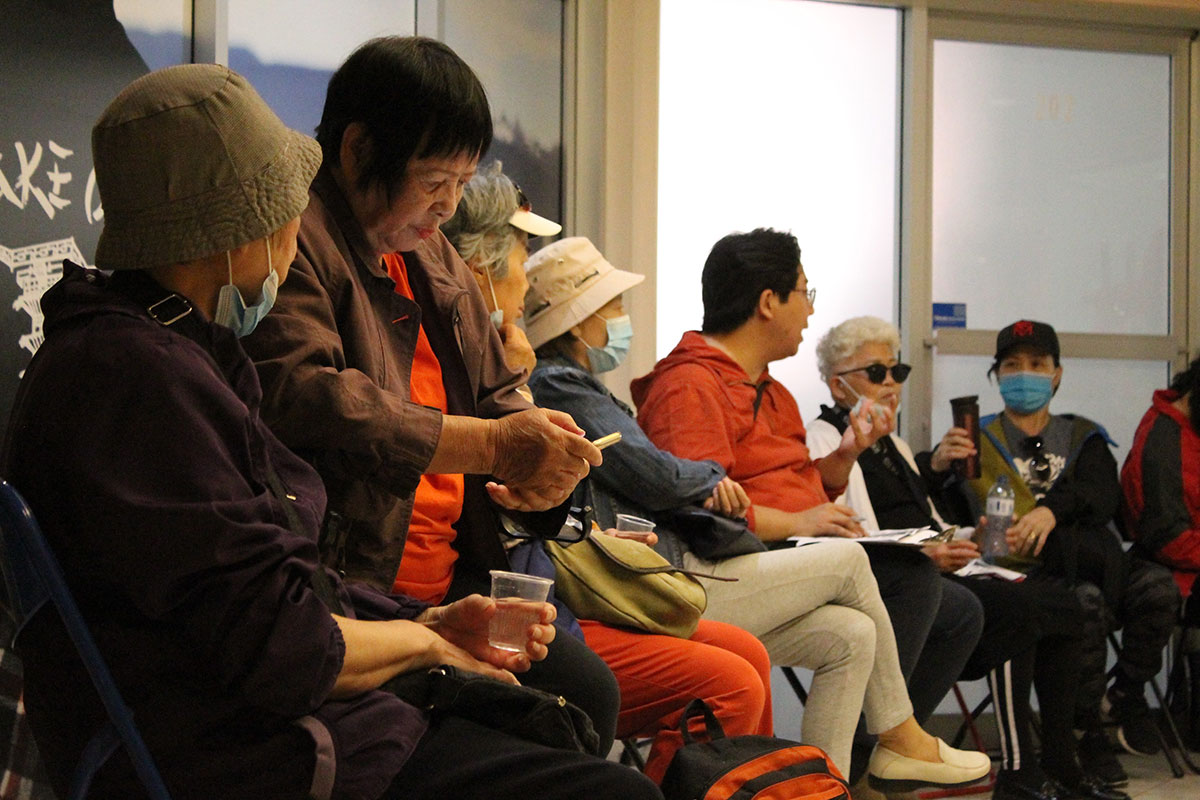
<point x="1173" y="748"/>
<point x="33" y="578"/>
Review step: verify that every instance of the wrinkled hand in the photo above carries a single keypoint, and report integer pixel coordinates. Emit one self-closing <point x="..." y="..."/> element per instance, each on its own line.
<point x="540" y="455"/>
<point x="728" y="499"/>
<point x="953" y="555"/>
<point x="869" y="425"/>
<point x="954" y="446"/>
<point x="828" y="519"/>
<point x="464" y="625"/>
<point x="1028" y="534"/>
<point x="518" y="353"/>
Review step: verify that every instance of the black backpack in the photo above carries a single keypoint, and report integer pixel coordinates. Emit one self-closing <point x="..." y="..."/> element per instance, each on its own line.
<point x="746" y="767"/>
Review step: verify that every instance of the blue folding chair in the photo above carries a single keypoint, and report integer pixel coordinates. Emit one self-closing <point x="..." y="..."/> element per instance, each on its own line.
<point x="32" y="577"/>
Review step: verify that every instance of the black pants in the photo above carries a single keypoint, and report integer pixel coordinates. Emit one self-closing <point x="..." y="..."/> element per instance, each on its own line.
<point x="572" y="670"/>
<point x="1147" y="611"/>
<point x="462" y="760"/>
<point x="937" y="622"/>
<point x="937" y="625"/>
<point x="1031" y="638"/>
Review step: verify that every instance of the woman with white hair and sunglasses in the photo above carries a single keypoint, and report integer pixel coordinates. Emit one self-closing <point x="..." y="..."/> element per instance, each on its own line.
<point x="1031" y="629"/>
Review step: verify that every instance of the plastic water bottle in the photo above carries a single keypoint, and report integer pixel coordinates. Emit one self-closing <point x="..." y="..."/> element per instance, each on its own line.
<point x="1000" y="506"/>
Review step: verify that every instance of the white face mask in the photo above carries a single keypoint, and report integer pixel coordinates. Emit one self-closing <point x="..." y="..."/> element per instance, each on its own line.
<point x="232" y="311"/>
<point x="497" y="316"/>
<point x="859" y="399"/>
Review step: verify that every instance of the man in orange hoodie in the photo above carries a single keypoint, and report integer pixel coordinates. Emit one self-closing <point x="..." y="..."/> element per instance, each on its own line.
<point x="713" y="398"/>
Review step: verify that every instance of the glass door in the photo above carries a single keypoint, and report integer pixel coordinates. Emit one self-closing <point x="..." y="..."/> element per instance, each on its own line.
<point x="1056" y="185"/>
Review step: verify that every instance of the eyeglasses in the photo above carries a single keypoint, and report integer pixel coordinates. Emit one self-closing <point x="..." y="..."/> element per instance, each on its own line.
<point x="1034" y="448"/>
<point x="877" y="373"/>
<point x="571" y="531"/>
<point x="811" y="294"/>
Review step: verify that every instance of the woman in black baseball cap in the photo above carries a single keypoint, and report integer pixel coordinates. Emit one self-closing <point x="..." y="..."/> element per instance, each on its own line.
<point x="1065" y="481"/>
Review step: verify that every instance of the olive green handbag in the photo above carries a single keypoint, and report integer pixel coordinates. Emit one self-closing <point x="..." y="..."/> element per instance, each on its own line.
<point x="626" y="583"/>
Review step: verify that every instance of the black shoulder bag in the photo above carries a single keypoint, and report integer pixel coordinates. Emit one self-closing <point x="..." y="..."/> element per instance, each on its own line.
<point x="712" y="536"/>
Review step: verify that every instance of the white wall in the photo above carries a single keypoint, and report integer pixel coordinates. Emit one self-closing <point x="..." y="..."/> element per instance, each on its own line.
<point x="783" y="114"/>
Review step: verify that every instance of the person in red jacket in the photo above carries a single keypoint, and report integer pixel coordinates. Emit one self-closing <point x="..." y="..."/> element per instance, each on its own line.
<point x="1160" y="480"/>
<point x="1160" y="503"/>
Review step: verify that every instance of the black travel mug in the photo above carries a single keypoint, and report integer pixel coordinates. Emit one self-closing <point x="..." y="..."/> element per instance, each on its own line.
<point x="966" y="416"/>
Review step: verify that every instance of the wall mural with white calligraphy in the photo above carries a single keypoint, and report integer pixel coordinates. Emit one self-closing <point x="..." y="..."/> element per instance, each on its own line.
<point x="61" y="62"/>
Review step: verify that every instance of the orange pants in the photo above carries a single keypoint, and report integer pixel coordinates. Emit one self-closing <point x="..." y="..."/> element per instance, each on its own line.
<point x="659" y="675"/>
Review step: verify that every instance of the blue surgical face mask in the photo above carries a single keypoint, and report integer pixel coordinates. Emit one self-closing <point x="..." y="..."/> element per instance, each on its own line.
<point x="609" y="357"/>
<point x="497" y="316"/>
<point x="232" y="311"/>
<point x="1026" y="392"/>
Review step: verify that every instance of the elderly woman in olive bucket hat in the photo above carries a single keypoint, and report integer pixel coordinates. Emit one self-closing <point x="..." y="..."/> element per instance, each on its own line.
<point x="186" y="531"/>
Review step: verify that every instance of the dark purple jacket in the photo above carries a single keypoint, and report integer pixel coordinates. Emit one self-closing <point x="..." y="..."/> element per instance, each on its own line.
<point x="139" y="445"/>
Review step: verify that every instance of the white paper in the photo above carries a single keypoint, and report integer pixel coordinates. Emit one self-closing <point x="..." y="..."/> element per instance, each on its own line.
<point x="981" y="568"/>
<point x="913" y="536"/>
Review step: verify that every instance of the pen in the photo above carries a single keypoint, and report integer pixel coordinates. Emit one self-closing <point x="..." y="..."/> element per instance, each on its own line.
<point x="605" y="441"/>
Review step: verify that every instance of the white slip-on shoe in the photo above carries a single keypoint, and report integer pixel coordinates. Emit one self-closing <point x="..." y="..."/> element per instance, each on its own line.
<point x="889" y="771"/>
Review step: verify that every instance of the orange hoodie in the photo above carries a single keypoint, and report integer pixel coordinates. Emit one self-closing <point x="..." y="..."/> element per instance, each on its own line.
<point x="699" y="403"/>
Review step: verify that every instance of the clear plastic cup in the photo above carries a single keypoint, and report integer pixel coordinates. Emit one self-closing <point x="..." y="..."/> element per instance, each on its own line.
<point x="628" y="523"/>
<point x="631" y="527"/>
<point x="519" y="600"/>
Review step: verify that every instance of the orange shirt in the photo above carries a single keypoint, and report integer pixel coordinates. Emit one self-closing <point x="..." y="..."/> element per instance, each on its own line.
<point x="427" y="565"/>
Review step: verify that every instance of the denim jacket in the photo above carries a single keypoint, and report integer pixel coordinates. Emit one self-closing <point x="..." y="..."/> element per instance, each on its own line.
<point x="636" y="477"/>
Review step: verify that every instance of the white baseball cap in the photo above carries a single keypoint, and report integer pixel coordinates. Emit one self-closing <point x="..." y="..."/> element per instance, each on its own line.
<point x="524" y="219"/>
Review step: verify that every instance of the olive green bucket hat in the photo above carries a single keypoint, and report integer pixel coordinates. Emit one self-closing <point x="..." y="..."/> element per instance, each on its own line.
<point x="190" y="161"/>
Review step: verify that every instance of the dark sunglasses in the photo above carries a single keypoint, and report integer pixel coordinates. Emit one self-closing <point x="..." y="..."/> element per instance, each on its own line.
<point x="877" y="373"/>
<point x="1034" y="448"/>
<point x="572" y="530"/>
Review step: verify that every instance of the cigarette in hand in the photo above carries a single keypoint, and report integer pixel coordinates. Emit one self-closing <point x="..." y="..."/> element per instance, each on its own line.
<point x="605" y="441"/>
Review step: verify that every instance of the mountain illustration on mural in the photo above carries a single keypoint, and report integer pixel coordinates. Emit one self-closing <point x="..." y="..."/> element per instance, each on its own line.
<point x="297" y="94"/>
<point x="534" y="166"/>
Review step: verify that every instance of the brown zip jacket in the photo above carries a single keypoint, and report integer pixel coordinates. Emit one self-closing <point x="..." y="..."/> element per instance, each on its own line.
<point x="334" y="357"/>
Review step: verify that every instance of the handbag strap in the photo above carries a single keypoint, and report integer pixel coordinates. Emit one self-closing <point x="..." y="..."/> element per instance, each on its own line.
<point x="698" y="708"/>
<point x="653" y="570"/>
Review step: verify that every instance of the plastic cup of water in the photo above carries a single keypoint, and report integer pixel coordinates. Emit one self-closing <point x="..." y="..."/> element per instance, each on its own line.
<point x="519" y="600"/>
<point x="632" y="527"/>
